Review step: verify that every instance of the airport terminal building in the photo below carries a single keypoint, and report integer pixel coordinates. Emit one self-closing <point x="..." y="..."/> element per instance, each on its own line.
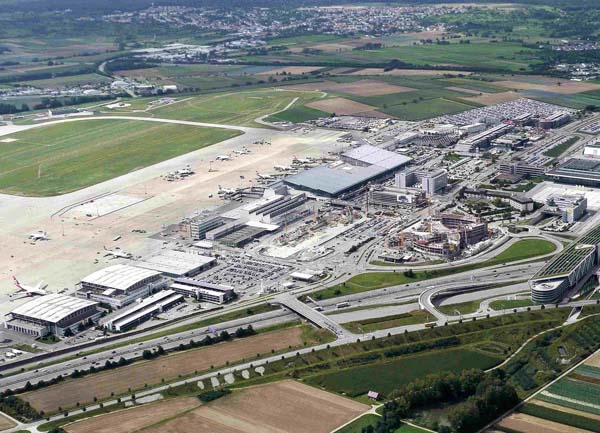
<point x="355" y="169"/>
<point x="52" y="314"/>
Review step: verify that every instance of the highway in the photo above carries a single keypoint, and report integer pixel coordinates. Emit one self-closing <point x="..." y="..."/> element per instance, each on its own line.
<point x="381" y="296"/>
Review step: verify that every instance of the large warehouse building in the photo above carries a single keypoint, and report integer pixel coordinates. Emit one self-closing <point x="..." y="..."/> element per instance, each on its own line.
<point x="52" y="314"/>
<point x="120" y="285"/>
<point x="576" y="171"/>
<point x="567" y="269"/>
<point x="355" y="169"/>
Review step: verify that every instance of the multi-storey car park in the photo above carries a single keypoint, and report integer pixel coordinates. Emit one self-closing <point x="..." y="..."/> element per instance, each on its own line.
<point x="567" y="269"/>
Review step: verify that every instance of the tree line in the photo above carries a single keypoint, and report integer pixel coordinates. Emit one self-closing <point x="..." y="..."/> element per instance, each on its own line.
<point x="482" y="397"/>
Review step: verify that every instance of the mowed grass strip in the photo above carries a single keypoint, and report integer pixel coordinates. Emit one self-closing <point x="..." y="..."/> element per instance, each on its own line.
<point x="384" y="377"/>
<point x="520" y="250"/>
<point x="100" y="385"/>
<point x="377" y="323"/>
<point x="65" y="157"/>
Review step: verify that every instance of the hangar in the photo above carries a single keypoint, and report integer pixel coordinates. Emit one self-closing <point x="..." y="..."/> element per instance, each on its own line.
<point x="52" y="314"/>
<point x="120" y="285"/>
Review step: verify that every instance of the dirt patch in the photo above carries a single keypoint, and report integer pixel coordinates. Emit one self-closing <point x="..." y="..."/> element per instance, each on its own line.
<point x="135" y="376"/>
<point x="297" y="70"/>
<point x="407" y="72"/>
<point x="359" y="88"/>
<point x="588" y="379"/>
<point x="566" y="87"/>
<point x="594" y="361"/>
<point x="494" y="98"/>
<point x="340" y="106"/>
<point x="283" y="407"/>
<point x="530" y="424"/>
<point x="129" y="420"/>
<point x="565" y="409"/>
<point x="6" y="423"/>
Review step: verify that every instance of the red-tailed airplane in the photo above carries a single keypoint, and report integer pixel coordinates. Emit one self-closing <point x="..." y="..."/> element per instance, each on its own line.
<point x="30" y="290"/>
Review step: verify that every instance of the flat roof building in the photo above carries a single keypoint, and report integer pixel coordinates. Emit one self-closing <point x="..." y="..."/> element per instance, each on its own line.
<point x="576" y="171"/>
<point x="52" y="314"/>
<point x="120" y="285"/>
<point x="203" y="290"/>
<point x="144" y="310"/>
<point x="355" y="169"/>
<point x="172" y="263"/>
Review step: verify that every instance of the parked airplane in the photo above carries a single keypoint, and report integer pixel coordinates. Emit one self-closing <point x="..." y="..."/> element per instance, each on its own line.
<point x="264" y="176"/>
<point x="223" y="190"/>
<point x="40" y="235"/>
<point x="241" y="152"/>
<point x="223" y="158"/>
<point x="116" y="254"/>
<point x="302" y="160"/>
<point x="30" y="290"/>
<point x="282" y="167"/>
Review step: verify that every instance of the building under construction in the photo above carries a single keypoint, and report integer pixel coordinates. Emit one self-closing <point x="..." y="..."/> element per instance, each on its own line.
<point x="445" y="235"/>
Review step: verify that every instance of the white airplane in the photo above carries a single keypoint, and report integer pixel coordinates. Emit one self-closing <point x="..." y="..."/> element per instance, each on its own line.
<point x="223" y="158"/>
<point x="226" y="190"/>
<point x="116" y="254"/>
<point x="31" y="290"/>
<point x="40" y="235"/>
<point x="302" y="160"/>
<point x="264" y="176"/>
<point x="241" y="152"/>
<point x="282" y="167"/>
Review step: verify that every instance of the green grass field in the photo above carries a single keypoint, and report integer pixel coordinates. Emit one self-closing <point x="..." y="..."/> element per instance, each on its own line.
<point x="60" y="158"/>
<point x="357" y="425"/>
<point x="557" y="151"/>
<point x="370" y="419"/>
<point x="410" y="318"/>
<point x="510" y="303"/>
<point x="239" y="108"/>
<point x="384" y="377"/>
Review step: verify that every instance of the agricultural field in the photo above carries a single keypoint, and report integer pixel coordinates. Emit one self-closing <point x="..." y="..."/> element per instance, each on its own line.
<point x="6" y="423"/>
<point x="128" y="420"/>
<point x="136" y="376"/>
<point x="384" y="377"/>
<point x="286" y="406"/>
<point x="70" y="81"/>
<point x="207" y="78"/>
<point x="481" y="54"/>
<point x="56" y="159"/>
